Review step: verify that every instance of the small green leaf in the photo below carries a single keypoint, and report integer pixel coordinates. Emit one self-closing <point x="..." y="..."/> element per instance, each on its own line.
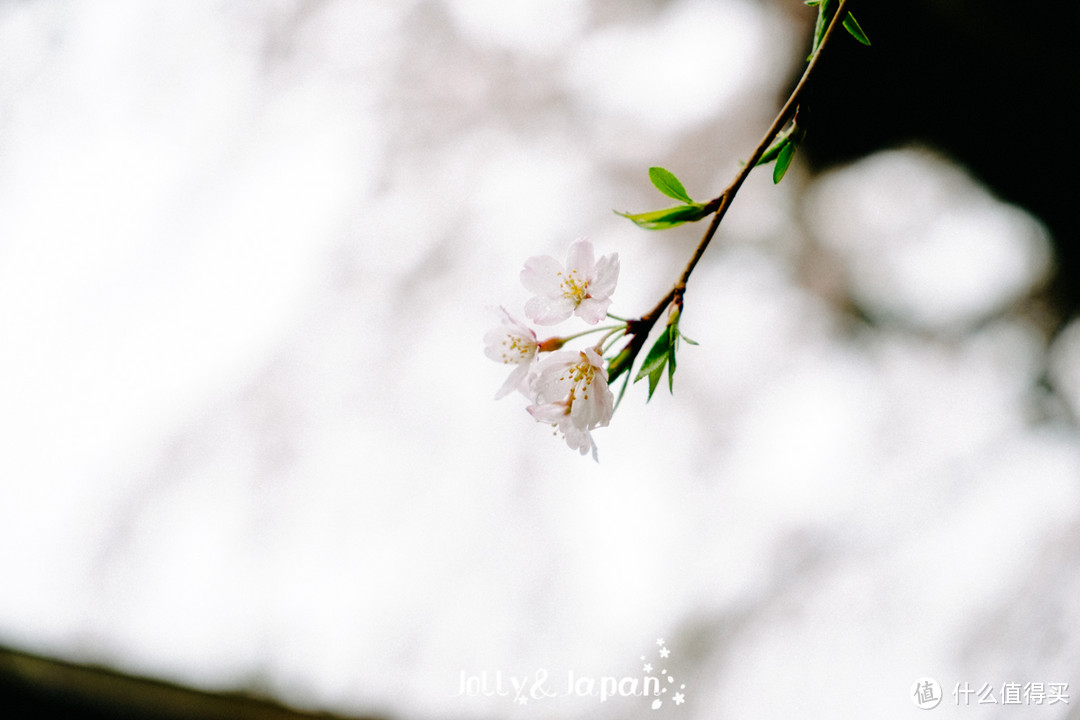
<point x="783" y="161"/>
<point x="673" y="341"/>
<point x="852" y="26"/>
<point x="668" y="184"/>
<point x="620" y="364"/>
<point x="671" y="217"/>
<point x="819" y="28"/>
<point x="778" y="145"/>
<point x="653" y="365"/>
<point x="655" y="358"/>
<point x="769" y="155"/>
<point x="654" y="380"/>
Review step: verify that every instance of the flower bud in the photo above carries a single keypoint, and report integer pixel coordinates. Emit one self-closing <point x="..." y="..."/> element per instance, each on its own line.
<point x="551" y="344"/>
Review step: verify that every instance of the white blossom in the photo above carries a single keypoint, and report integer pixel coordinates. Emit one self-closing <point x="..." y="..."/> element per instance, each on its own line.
<point x="582" y="287"/>
<point x="557" y="414"/>
<point x="572" y="393"/>
<point x="512" y="343"/>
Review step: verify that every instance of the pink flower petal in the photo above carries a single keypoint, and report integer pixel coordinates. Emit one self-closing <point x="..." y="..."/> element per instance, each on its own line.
<point x="605" y="277"/>
<point x="580" y="257"/>
<point x="544" y="310"/>
<point x="542" y="275"/>
<point x="516" y="381"/>
<point x="592" y="310"/>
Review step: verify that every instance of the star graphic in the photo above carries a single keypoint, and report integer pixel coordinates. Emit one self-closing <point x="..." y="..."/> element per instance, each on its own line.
<point x="660" y="642"/>
<point x="647" y="668"/>
<point x="522" y="700"/>
<point x="678" y="698"/>
<point x="664" y="652"/>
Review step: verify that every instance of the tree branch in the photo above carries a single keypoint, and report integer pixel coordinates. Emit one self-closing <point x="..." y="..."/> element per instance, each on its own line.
<point x="639" y="329"/>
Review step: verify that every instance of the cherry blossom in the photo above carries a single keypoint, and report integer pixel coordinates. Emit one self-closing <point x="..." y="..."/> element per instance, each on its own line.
<point x="557" y="414"/>
<point x="572" y="394"/>
<point x="512" y="343"/>
<point x="582" y="287"/>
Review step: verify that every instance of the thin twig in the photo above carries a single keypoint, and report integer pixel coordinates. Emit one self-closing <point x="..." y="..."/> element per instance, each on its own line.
<point x="641" y="327"/>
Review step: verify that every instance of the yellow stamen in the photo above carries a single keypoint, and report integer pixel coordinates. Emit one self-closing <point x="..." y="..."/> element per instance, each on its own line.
<point x="575" y="288"/>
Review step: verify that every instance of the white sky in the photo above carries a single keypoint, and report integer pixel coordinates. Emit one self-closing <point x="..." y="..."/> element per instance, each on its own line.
<point x="248" y="253"/>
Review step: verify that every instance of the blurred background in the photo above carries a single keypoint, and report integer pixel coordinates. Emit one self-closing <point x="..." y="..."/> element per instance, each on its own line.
<point x="248" y="441"/>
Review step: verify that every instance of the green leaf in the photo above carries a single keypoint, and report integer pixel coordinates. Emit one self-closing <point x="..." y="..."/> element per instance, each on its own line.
<point x="655" y="358"/>
<point x="852" y="26"/>
<point x="819" y="28"/>
<point x="660" y="355"/>
<point x="671" y="217"/>
<point x="620" y="364"/>
<point x="819" y="31"/>
<point x="668" y="184"/>
<point x="654" y="380"/>
<point x="783" y="161"/>
<point x="673" y="341"/>
<point x="778" y="145"/>
<point x="653" y="365"/>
